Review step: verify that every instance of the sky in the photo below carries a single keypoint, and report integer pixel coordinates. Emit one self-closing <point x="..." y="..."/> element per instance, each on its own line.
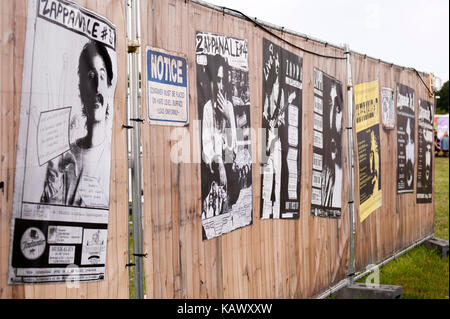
<point x="410" y="33"/>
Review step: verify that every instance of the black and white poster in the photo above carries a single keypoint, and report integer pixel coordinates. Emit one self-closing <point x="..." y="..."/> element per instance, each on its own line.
<point x="405" y="139"/>
<point x="282" y="125"/>
<point x="387" y="108"/>
<point x="424" y="189"/>
<point x="328" y="107"/>
<point x="62" y="178"/>
<point x="223" y="94"/>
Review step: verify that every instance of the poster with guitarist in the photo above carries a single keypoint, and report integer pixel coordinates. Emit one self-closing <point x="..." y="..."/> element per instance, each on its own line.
<point x="282" y="132"/>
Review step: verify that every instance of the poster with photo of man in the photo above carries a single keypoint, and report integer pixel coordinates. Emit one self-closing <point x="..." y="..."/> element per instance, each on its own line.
<point x="406" y="121"/>
<point x="424" y="189"/>
<point x="282" y="125"/>
<point x="62" y="177"/>
<point x="223" y="94"/>
<point x="326" y="193"/>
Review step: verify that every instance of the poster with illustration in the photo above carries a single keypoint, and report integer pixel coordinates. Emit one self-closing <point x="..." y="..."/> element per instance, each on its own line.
<point x="424" y="190"/>
<point x="406" y="128"/>
<point x="223" y="95"/>
<point x="367" y="121"/>
<point x="282" y="131"/>
<point x="62" y="177"/>
<point x="326" y="193"/>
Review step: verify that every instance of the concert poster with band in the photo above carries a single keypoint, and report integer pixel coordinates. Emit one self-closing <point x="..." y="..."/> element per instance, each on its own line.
<point x="282" y="132"/>
<point x="62" y="179"/>
<point x="424" y="191"/>
<point x="406" y="128"/>
<point x="326" y="192"/>
<point x="223" y="94"/>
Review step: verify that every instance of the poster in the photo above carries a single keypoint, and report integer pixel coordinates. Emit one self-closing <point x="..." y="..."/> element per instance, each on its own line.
<point x="388" y="112"/>
<point x="367" y="121"/>
<point x="281" y="122"/>
<point x="62" y="177"/>
<point x="223" y="94"/>
<point x="406" y="123"/>
<point x="424" y="191"/>
<point x="441" y="124"/>
<point x="167" y="89"/>
<point x="326" y="193"/>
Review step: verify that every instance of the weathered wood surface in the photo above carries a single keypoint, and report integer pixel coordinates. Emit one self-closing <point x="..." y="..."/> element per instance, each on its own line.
<point x="270" y="258"/>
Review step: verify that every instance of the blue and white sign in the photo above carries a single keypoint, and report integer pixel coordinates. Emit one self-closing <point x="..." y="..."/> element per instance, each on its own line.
<point x="167" y="91"/>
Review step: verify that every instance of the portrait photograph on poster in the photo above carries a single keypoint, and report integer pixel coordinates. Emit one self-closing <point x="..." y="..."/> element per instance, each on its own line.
<point x="406" y="121"/>
<point x="282" y="125"/>
<point x="167" y="88"/>
<point x="326" y="193"/>
<point x="62" y="181"/>
<point x="224" y="111"/>
<point x="424" y="190"/>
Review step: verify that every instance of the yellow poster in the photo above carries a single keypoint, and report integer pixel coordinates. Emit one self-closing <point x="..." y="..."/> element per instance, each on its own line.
<point x="367" y="121"/>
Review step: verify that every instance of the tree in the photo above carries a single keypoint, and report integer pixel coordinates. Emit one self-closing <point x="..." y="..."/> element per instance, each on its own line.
<point x="442" y="102"/>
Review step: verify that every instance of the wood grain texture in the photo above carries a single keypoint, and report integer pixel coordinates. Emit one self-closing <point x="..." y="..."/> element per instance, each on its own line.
<point x="12" y="39"/>
<point x="400" y="221"/>
<point x="270" y="258"/>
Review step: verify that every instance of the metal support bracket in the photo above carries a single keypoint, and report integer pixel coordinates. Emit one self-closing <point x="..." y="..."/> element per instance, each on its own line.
<point x="133" y="46"/>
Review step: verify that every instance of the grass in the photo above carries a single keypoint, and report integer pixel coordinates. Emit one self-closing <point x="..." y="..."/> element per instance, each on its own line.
<point x="421" y="272"/>
<point x="441" y="191"/>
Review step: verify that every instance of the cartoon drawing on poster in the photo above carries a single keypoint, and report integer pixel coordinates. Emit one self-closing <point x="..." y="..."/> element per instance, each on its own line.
<point x="224" y="111"/>
<point x="367" y="121"/>
<point x="281" y="122"/>
<point x="406" y="122"/>
<point x="387" y="108"/>
<point x="327" y="146"/>
<point x="62" y="179"/>
<point x="424" y="191"/>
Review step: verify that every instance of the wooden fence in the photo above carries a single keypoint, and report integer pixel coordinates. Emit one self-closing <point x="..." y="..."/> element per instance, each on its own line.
<point x="268" y="259"/>
<point x="400" y="221"/>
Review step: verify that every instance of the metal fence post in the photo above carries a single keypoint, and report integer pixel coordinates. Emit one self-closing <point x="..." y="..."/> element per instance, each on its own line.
<point x="351" y="263"/>
<point x="135" y="141"/>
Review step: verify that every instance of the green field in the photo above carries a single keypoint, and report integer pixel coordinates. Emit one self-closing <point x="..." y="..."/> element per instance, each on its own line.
<point x="422" y="272"/>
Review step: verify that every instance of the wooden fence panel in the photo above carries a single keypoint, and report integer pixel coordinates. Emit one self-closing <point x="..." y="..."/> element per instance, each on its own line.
<point x="270" y="258"/>
<point x="399" y="222"/>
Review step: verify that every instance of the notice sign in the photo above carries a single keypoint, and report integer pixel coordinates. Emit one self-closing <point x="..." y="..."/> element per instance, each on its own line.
<point x="368" y="137"/>
<point x="167" y="90"/>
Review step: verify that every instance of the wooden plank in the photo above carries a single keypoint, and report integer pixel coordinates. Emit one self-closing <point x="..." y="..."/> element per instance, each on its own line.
<point x="269" y="259"/>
